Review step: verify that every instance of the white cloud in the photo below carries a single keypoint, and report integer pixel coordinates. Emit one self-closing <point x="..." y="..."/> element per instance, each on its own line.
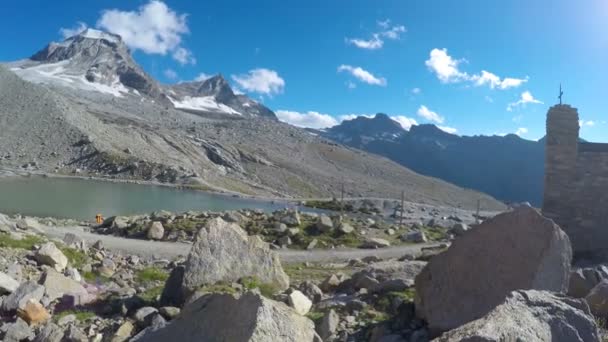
<point x="376" y="41"/>
<point x="416" y="91"/>
<point x="394" y="32"/>
<point x="371" y="44"/>
<point x="384" y="23"/>
<point x="202" y="77"/>
<point x="494" y="81"/>
<point x="184" y="56"/>
<point x="447" y="129"/>
<point x="521" y="131"/>
<point x="445" y="67"/>
<point x="362" y="75"/>
<point x="170" y="74"/>
<point x="588" y="123"/>
<point x="154" y="29"/>
<point x="69" y="32"/>
<point x="525" y="98"/>
<point x="405" y="122"/>
<point x="262" y="81"/>
<point x="308" y="119"/>
<point x="447" y="70"/>
<point x="429" y="115"/>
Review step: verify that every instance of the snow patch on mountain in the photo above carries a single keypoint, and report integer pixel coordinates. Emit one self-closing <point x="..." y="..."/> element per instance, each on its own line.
<point x="57" y="74"/>
<point x="205" y="103"/>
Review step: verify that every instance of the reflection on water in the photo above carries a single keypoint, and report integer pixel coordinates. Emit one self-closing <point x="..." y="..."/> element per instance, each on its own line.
<point x="82" y="198"/>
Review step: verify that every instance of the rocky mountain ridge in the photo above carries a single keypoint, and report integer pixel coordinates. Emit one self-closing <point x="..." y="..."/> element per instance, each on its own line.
<point x="114" y="130"/>
<point x="507" y="167"/>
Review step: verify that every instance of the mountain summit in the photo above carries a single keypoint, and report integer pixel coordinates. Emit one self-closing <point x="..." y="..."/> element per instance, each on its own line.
<point x="100" y="62"/>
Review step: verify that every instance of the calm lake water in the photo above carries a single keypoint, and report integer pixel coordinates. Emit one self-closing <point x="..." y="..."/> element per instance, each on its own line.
<point x="83" y="199"/>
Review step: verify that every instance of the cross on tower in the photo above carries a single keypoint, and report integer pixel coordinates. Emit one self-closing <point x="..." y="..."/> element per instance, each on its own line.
<point x="561" y="93"/>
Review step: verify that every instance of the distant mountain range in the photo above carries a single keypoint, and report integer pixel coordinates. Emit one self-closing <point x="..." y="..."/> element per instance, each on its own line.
<point x="507" y="167"/>
<point x="84" y="106"/>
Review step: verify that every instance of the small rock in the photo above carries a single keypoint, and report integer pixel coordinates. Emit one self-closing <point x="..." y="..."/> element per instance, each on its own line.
<point x="598" y="299"/>
<point x="155" y="231"/>
<point x="7" y="284"/>
<point x="329" y="325"/>
<point x="299" y="302"/>
<point x="324" y="224"/>
<point x="375" y="243"/>
<point x="19" y="298"/>
<point x="312" y="244"/>
<point x="65" y="320"/>
<point x="50" y="255"/>
<point x="124" y="332"/>
<point x="415" y="237"/>
<point x="170" y="312"/>
<point x="345" y="228"/>
<point x="17" y="331"/>
<point x="141" y="314"/>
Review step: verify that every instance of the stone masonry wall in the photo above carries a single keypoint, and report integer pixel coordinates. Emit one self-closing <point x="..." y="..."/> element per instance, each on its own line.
<point x="576" y="183"/>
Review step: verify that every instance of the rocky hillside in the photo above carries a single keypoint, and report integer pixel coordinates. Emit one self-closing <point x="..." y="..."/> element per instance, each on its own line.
<point x="491" y="282"/>
<point x="509" y="168"/>
<point x="80" y="126"/>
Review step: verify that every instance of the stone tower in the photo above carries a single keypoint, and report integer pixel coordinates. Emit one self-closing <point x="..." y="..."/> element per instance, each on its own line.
<point x="561" y="157"/>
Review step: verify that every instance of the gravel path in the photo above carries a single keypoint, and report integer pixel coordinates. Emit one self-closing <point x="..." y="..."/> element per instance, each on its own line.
<point x="169" y="250"/>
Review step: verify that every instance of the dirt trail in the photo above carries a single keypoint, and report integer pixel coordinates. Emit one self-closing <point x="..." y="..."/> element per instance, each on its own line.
<point x="169" y="250"/>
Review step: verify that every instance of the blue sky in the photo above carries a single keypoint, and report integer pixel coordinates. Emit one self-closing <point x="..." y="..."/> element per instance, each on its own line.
<point x="459" y="64"/>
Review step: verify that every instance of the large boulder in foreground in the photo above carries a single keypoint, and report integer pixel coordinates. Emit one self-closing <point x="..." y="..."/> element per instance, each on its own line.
<point x="515" y="250"/>
<point x="224" y="252"/>
<point x="531" y="316"/>
<point x="224" y="317"/>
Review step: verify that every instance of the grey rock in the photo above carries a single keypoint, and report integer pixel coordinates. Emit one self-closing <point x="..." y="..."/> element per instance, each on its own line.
<point x="49" y="333"/>
<point x="18" y="299"/>
<point x="155" y="230"/>
<point x="598" y="299"/>
<point x="57" y="285"/>
<point x="50" y="255"/>
<point x="224" y="252"/>
<point x="520" y="249"/>
<point x="290" y="218"/>
<point x="299" y="302"/>
<point x="324" y="224"/>
<point x="312" y="244"/>
<point x="311" y="291"/>
<point x="459" y="229"/>
<point x="345" y="228"/>
<point x="141" y="314"/>
<point x="17" y="331"/>
<point x="223" y="317"/>
<point x="75" y="334"/>
<point x="375" y="243"/>
<point x="581" y="282"/>
<point x="169" y="312"/>
<point x="73" y="241"/>
<point x="417" y="236"/>
<point x="531" y="316"/>
<point x="7" y="284"/>
<point x="329" y="325"/>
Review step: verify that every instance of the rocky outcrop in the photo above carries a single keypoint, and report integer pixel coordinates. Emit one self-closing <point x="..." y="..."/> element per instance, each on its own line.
<point x="223" y="252"/>
<point x="531" y="316"/>
<point x="223" y="317"/>
<point x="515" y="250"/>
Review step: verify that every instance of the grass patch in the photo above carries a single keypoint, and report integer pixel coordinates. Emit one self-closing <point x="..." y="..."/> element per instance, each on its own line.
<point x="94" y="278"/>
<point x="315" y="316"/>
<point x="151" y="274"/>
<point x="76" y="258"/>
<point x="334" y="205"/>
<point x="151" y="295"/>
<point x="187" y="225"/>
<point x="220" y="287"/>
<point x="435" y="233"/>
<point x="373" y="316"/>
<point x="309" y="232"/>
<point x="81" y="315"/>
<point x="266" y="289"/>
<point x="299" y="272"/>
<point x="28" y="241"/>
